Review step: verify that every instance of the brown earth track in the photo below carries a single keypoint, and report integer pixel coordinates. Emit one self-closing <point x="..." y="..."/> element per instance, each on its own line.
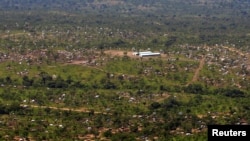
<point x="83" y="110"/>
<point x="197" y="71"/>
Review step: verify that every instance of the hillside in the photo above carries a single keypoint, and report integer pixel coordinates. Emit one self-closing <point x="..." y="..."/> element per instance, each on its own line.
<point x="196" y="20"/>
<point x="69" y="69"/>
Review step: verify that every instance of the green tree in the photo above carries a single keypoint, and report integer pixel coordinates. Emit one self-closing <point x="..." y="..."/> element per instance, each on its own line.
<point x="195" y="89"/>
<point x="27" y="81"/>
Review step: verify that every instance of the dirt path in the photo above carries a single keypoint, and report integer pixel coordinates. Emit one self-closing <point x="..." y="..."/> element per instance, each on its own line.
<point x="234" y="50"/>
<point x="202" y="62"/>
<point x="163" y="97"/>
<point x="120" y="53"/>
<point x="197" y="71"/>
<point x="6" y="35"/>
<point x="83" y="110"/>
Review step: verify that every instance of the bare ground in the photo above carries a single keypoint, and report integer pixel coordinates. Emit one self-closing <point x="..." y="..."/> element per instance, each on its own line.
<point x="84" y="110"/>
<point x="197" y="71"/>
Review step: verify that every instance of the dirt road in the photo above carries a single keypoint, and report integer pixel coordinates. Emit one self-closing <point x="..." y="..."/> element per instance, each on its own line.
<point x="83" y="110"/>
<point x="197" y="71"/>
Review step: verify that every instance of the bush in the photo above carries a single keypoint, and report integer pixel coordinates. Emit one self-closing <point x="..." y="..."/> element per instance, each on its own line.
<point x="195" y="89"/>
<point x="123" y="137"/>
<point x="155" y="105"/>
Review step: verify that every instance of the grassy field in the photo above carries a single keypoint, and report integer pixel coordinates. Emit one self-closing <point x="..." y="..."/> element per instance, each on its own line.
<point x="67" y="71"/>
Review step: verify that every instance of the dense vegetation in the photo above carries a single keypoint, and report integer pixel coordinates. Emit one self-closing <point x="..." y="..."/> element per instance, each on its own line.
<point x="193" y="21"/>
<point x="67" y="69"/>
